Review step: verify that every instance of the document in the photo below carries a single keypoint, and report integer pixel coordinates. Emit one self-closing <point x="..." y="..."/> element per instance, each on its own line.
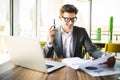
<point x="74" y="62"/>
<point x="92" y="67"/>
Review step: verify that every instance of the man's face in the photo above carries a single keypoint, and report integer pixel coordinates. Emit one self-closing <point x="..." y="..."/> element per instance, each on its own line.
<point x="68" y="20"/>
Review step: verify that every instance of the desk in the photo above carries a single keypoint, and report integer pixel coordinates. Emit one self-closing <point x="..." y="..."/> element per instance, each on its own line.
<point x="101" y="44"/>
<point x="65" y="73"/>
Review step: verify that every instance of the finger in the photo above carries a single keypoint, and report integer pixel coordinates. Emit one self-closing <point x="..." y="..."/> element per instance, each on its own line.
<point x="52" y="28"/>
<point x="111" y="64"/>
<point x="112" y="58"/>
<point x="52" y="32"/>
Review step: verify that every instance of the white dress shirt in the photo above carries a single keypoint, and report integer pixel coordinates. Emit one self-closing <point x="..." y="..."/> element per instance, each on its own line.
<point x="67" y="40"/>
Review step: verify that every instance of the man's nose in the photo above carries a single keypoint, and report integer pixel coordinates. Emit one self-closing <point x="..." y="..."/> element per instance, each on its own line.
<point x="71" y="22"/>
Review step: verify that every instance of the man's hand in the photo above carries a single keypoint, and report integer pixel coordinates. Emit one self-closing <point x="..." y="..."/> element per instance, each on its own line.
<point x="110" y="62"/>
<point x="52" y="32"/>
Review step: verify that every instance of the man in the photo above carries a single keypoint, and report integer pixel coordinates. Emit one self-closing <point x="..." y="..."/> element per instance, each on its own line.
<point x="68" y="40"/>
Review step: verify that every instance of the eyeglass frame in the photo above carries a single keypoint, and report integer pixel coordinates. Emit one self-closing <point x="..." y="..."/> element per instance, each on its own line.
<point x="67" y="19"/>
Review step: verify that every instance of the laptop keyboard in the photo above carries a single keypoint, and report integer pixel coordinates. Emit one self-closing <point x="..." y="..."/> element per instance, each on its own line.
<point x="48" y="66"/>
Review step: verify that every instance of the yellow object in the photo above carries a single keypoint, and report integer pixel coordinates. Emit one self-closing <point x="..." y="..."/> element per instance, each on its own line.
<point x="112" y="48"/>
<point x="42" y="43"/>
<point x="2" y="28"/>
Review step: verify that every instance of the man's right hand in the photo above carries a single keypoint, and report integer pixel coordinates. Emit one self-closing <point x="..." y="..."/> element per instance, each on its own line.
<point x="52" y="32"/>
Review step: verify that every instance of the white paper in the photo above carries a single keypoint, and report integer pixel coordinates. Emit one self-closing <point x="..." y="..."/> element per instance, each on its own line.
<point x="95" y="68"/>
<point x="92" y="67"/>
<point x="74" y="62"/>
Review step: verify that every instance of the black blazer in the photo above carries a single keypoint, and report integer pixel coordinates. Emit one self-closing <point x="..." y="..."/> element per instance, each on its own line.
<point x="80" y="39"/>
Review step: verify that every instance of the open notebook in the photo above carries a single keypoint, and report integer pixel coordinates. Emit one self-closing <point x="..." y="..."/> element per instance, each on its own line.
<point x="26" y="52"/>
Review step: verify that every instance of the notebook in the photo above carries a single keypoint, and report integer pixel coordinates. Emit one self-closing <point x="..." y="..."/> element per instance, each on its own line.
<point x="27" y="52"/>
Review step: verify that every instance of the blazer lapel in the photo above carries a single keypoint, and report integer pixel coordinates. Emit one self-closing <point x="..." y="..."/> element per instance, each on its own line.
<point x="74" y="39"/>
<point x="59" y="40"/>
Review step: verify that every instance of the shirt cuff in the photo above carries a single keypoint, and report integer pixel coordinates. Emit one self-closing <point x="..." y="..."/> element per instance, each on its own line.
<point x="49" y="45"/>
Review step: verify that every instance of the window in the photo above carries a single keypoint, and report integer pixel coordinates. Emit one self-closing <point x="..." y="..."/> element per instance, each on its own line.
<point x="4" y="26"/>
<point x="4" y="17"/>
<point x="27" y="18"/>
<point x="102" y="10"/>
<point x="4" y="21"/>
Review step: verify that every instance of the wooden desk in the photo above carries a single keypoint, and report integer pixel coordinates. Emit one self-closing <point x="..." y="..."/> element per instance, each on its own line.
<point x="65" y="73"/>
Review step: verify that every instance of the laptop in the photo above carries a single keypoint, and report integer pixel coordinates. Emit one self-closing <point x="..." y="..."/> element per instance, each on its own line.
<point x="27" y="52"/>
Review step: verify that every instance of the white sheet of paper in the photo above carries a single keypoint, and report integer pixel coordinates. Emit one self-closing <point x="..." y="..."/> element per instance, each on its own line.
<point x="74" y="62"/>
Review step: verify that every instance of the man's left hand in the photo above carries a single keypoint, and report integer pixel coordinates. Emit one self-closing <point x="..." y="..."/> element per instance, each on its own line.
<point x="111" y="61"/>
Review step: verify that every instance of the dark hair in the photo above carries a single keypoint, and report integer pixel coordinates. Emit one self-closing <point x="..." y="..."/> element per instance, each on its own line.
<point x="68" y="8"/>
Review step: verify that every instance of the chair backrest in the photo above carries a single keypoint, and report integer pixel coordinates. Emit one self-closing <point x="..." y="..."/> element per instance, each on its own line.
<point x="112" y="47"/>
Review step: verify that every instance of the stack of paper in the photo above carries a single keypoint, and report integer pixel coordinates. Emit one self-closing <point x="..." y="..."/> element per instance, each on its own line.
<point x="75" y="62"/>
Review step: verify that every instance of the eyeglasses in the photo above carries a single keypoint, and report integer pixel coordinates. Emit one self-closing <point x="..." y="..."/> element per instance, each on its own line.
<point x="67" y="19"/>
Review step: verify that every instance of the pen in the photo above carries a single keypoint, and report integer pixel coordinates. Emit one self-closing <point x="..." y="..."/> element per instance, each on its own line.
<point x="54" y="22"/>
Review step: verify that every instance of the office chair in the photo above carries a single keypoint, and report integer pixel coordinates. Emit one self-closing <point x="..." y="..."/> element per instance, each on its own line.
<point x="112" y="48"/>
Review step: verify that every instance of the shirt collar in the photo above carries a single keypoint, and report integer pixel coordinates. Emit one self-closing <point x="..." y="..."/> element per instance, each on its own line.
<point x="63" y="32"/>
